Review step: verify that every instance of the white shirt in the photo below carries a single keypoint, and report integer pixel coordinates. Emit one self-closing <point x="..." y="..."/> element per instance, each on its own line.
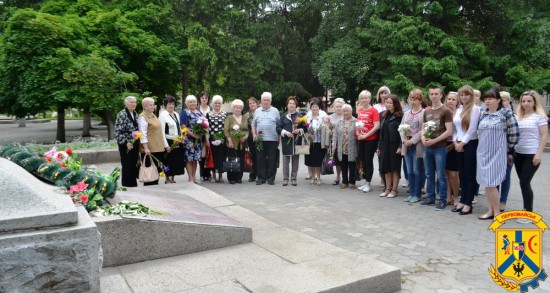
<point x="379" y="107"/>
<point x="460" y="134"/>
<point x="165" y="119"/>
<point x="529" y="134"/>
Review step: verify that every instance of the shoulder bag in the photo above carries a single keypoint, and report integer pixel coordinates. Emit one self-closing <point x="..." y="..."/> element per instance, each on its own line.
<point x="148" y="174"/>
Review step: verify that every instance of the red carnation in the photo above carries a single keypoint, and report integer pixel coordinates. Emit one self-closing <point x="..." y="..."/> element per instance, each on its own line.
<point x="260" y="132"/>
<point x="69" y="151"/>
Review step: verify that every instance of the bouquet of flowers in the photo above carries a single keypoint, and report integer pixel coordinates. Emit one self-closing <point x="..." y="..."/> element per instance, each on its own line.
<point x="200" y="128"/>
<point x="404" y="130"/>
<point x="135" y="136"/>
<point x="88" y="198"/>
<point x="328" y="121"/>
<point x="237" y="132"/>
<point x="259" y="140"/>
<point x="218" y="138"/>
<point x="429" y="129"/>
<point x="359" y="127"/>
<point x="178" y="140"/>
<point x="64" y="158"/>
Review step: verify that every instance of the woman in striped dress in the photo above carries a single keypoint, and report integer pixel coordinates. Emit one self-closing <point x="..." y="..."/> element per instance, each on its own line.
<point x="498" y="135"/>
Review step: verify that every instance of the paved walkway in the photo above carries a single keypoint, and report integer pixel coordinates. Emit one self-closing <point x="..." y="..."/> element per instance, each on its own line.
<point x="437" y="251"/>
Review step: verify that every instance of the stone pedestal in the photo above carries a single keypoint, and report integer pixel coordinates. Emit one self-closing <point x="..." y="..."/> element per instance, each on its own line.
<point x="46" y="243"/>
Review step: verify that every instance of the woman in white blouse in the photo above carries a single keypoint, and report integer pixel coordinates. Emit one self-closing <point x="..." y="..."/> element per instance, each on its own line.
<point x="533" y="133"/>
<point x="170" y="123"/>
<point x="465" y="140"/>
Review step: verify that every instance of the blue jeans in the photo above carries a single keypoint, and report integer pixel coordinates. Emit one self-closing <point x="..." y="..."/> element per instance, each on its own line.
<point x="505" y="186"/>
<point x="413" y="171"/>
<point x="435" y="159"/>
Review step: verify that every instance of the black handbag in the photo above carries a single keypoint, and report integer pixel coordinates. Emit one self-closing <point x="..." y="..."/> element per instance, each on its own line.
<point x="232" y="164"/>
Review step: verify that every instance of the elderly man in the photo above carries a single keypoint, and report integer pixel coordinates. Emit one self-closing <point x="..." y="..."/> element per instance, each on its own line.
<point x="265" y="125"/>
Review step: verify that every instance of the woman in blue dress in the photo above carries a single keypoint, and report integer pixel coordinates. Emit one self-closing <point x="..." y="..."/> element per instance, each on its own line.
<point x="498" y="135"/>
<point x="193" y="146"/>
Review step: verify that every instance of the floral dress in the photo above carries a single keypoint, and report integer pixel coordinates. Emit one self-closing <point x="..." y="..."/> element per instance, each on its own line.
<point x="191" y="152"/>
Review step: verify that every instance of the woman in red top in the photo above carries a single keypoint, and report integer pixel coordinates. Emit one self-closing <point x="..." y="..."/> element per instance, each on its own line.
<point x="367" y="136"/>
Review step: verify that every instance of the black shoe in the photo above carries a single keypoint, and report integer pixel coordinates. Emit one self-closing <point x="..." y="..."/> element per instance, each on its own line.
<point x="231" y="182"/>
<point x="260" y="182"/>
<point x="239" y="181"/>
<point x="486" y="218"/>
<point x="271" y="182"/>
<point x="456" y="210"/>
<point x="462" y="213"/>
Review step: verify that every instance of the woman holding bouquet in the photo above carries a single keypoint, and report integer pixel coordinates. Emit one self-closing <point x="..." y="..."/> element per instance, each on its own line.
<point x="291" y="128"/>
<point x="153" y="139"/>
<point x="334" y="118"/>
<point x="170" y="123"/>
<point x="367" y="135"/>
<point x="204" y="108"/>
<point x="216" y="119"/>
<point x="193" y="145"/>
<point x="318" y="138"/>
<point x="389" y="145"/>
<point x="410" y="135"/>
<point x="128" y="145"/>
<point x="344" y="144"/>
<point x="235" y="131"/>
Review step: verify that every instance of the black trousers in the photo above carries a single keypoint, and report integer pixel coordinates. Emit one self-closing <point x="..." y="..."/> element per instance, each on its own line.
<point x="231" y="153"/>
<point x="526" y="170"/>
<point x="347" y="168"/>
<point x="128" y="161"/>
<point x="267" y="161"/>
<point x="253" y="155"/>
<point x="367" y="149"/>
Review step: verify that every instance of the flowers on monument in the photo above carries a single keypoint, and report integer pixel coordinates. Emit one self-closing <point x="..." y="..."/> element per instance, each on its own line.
<point x="404" y="129"/>
<point x="260" y="140"/>
<point x="429" y="129"/>
<point x="69" y="151"/>
<point x="88" y="198"/>
<point x="129" y="208"/>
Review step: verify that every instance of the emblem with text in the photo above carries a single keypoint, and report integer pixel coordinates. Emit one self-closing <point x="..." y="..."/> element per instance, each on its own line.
<point x="518" y="252"/>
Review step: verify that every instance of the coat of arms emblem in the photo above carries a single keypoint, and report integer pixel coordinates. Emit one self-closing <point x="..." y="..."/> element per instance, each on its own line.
<point x="518" y="252"/>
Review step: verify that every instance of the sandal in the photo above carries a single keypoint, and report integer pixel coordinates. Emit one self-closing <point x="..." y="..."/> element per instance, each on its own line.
<point x="385" y="193"/>
<point x="343" y="186"/>
<point x="318" y="181"/>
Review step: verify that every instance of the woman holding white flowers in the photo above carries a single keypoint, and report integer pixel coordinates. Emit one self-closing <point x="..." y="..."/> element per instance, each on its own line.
<point x="410" y="136"/>
<point x="291" y="129"/>
<point x="235" y="131"/>
<point x="318" y="139"/>
<point x="216" y="119"/>
<point x="389" y="145"/>
<point x="368" y="122"/>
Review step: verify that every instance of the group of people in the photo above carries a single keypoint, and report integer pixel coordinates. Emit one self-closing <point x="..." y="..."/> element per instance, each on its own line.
<point x="449" y="144"/>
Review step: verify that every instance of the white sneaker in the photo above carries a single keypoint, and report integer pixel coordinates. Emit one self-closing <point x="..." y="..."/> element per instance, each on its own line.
<point x="361" y="187"/>
<point x="366" y="189"/>
<point x="524" y="221"/>
<point x="406" y="184"/>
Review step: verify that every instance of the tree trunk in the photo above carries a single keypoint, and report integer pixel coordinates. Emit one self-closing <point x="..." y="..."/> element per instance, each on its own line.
<point x="23" y="122"/>
<point x="185" y="82"/>
<point x="60" y="136"/>
<point x="110" y="121"/>
<point x="86" y="122"/>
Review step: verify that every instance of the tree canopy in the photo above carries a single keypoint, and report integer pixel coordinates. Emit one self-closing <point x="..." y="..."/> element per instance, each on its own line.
<point x="90" y="53"/>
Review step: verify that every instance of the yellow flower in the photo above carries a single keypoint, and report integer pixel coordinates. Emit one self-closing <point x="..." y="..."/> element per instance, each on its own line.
<point x="303" y="119"/>
<point x="184" y="130"/>
<point x="161" y="174"/>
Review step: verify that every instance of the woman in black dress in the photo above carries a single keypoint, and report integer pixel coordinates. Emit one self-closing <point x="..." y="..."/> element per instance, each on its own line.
<point x="216" y="119"/>
<point x="389" y="145"/>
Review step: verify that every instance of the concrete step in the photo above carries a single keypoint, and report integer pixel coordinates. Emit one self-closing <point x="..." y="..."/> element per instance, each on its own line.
<point x="190" y="226"/>
<point x="277" y="260"/>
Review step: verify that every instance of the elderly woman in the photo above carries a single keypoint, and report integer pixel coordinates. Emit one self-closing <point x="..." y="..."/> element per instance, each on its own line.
<point x="204" y="108"/>
<point x="389" y="145"/>
<point x="290" y="132"/>
<point x="193" y="145"/>
<point x="495" y="147"/>
<point x="252" y="106"/>
<point x="216" y="119"/>
<point x="318" y="138"/>
<point x="128" y="147"/>
<point x="153" y="139"/>
<point x="170" y="123"/>
<point x="334" y="118"/>
<point x="344" y="144"/>
<point x="235" y="131"/>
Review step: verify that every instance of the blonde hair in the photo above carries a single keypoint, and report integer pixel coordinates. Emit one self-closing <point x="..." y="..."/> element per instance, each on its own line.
<point x="466" y="112"/>
<point x="538" y="106"/>
<point x="237" y="103"/>
<point x="365" y="94"/>
<point x="146" y="101"/>
<point x="190" y="98"/>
